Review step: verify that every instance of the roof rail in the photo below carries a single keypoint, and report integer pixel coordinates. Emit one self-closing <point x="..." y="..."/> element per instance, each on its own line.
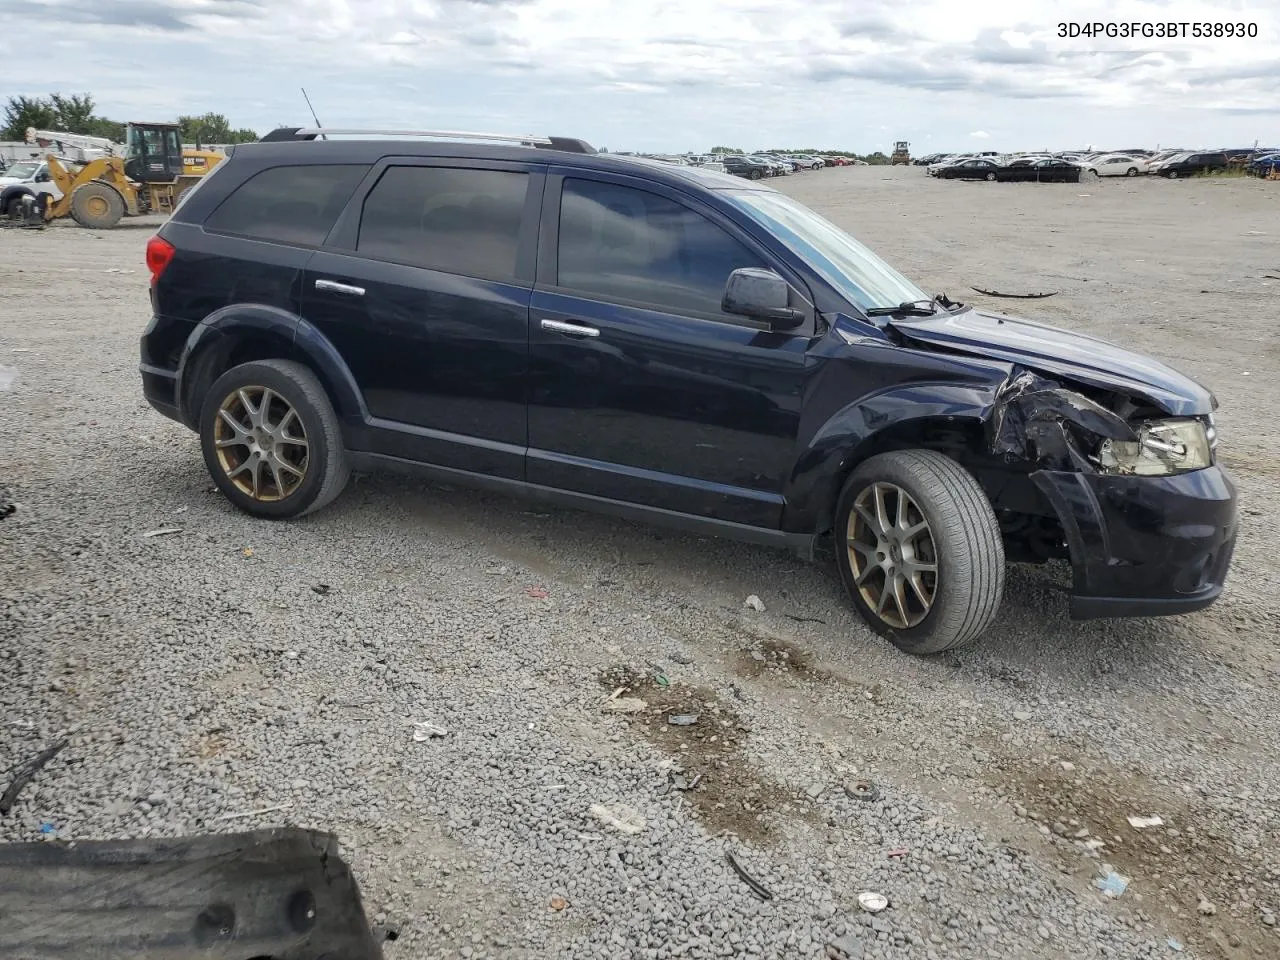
<point x="567" y="144"/>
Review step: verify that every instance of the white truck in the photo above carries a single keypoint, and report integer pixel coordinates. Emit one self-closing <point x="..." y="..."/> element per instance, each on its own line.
<point x="32" y="174"/>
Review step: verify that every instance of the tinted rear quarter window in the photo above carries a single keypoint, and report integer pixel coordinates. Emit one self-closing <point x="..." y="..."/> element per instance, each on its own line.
<point x="451" y="219"/>
<point x="296" y="205"/>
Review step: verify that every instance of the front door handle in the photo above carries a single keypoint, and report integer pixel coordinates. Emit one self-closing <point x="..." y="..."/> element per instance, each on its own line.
<point x="335" y="287"/>
<point x="573" y="329"/>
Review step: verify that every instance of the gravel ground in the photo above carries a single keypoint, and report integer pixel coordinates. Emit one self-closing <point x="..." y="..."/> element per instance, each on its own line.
<point x="240" y="665"/>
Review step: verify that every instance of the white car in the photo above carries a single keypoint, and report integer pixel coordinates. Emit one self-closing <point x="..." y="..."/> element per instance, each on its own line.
<point x="933" y="168"/>
<point x="1118" y="165"/>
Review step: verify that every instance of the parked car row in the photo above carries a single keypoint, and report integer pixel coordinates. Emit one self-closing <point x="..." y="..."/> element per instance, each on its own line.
<point x="757" y="166"/>
<point x="1172" y="163"/>
<point x="1021" y="169"/>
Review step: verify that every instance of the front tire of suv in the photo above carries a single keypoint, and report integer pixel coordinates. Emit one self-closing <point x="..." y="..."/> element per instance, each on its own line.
<point x="755" y="174"/>
<point x="271" y="440"/>
<point x="919" y="550"/>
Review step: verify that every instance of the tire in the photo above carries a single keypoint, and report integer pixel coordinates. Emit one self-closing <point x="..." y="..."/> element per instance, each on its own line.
<point x="323" y="461"/>
<point x="754" y="174"/>
<point x="991" y="176"/>
<point x="962" y="535"/>
<point x="97" y="205"/>
<point x="1131" y="172"/>
<point x="1172" y="174"/>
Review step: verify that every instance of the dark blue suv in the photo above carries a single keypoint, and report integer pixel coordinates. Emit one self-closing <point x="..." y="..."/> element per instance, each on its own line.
<point x="671" y="344"/>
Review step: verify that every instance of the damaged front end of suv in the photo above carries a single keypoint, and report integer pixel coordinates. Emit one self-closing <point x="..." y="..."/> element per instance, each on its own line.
<point x="1147" y="518"/>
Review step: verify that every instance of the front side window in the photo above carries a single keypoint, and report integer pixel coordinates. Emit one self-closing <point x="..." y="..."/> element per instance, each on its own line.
<point x="619" y="243"/>
<point x="450" y="219"/>
<point x="293" y="205"/>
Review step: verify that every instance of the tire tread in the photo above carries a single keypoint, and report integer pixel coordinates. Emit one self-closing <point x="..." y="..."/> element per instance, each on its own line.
<point x="965" y="516"/>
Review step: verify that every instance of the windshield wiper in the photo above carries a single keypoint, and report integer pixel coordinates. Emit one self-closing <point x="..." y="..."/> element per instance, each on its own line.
<point x="914" y="308"/>
<point x="917" y="308"/>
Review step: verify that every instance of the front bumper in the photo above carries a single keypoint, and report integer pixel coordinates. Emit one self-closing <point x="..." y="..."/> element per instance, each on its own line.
<point x="1144" y="546"/>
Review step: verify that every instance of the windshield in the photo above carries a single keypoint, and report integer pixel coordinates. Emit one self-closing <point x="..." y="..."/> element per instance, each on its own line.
<point x="21" y="171"/>
<point x="852" y="269"/>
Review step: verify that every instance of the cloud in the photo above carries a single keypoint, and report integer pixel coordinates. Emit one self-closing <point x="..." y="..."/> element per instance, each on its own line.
<point x="980" y="134"/>
<point x="659" y="75"/>
<point x="167" y="15"/>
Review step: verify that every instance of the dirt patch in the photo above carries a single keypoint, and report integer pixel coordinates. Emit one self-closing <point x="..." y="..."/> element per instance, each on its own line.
<point x="211" y="745"/>
<point x="710" y="772"/>
<point x="767" y="656"/>
<point x="1190" y="859"/>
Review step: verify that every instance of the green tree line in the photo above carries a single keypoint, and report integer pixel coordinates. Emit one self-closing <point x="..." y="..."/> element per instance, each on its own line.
<point x="75" y="113"/>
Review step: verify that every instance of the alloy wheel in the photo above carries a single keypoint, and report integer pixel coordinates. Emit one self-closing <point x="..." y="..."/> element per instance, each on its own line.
<point x="261" y="443"/>
<point x="892" y="555"/>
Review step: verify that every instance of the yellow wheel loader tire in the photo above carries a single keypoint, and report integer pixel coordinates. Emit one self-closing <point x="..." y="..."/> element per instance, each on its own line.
<point x="97" y="205"/>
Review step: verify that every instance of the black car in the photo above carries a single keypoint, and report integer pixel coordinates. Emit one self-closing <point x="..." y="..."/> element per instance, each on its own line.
<point x="746" y="167"/>
<point x="669" y="344"/>
<point x="1194" y="163"/>
<point x="976" y="169"/>
<point x="1041" y="171"/>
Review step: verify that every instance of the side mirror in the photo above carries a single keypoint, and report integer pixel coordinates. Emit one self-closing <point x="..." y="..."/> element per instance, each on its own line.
<point x="42" y="177"/>
<point x="761" y="294"/>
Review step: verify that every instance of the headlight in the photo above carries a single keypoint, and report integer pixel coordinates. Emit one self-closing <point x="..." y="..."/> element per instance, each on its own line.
<point x="1163" y="447"/>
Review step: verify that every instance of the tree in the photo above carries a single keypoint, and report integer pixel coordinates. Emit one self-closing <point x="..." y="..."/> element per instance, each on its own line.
<point x="74" y="114"/>
<point x="22" y="112"/>
<point x="213" y="128"/>
<point x="732" y="150"/>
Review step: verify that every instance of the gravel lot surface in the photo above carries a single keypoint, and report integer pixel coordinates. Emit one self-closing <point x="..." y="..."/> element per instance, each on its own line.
<point x="239" y="665"/>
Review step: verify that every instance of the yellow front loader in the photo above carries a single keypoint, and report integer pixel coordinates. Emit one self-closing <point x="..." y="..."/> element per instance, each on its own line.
<point x="147" y="176"/>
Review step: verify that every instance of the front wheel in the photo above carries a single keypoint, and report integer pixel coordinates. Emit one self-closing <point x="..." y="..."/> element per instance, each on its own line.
<point x="271" y="440"/>
<point x="97" y="205"/>
<point x="755" y="174"/>
<point x="919" y="550"/>
<point x="991" y="176"/>
<point x="1172" y="174"/>
<point x="1131" y="172"/>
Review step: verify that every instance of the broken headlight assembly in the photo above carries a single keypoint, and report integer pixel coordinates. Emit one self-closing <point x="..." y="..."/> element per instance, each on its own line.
<point x="1163" y="448"/>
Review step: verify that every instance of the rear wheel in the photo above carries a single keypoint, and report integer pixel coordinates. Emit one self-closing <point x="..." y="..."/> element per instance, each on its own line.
<point x="271" y="440"/>
<point x="991" y="176"/>
<point x="919" y="550"/>
<point x="96" y="204"/>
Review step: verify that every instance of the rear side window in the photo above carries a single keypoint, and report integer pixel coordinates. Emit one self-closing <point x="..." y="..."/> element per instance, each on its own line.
<point x="297" y="205"/>
<point x="619" y="243"/>
<point x="451" y="219"/>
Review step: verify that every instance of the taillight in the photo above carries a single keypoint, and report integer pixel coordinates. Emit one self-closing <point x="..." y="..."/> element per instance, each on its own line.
<point x="159" y="252"/>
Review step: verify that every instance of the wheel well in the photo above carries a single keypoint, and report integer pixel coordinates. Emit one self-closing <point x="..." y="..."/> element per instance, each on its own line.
<point x="964" y="440"/>
<point x="231" y="350"/>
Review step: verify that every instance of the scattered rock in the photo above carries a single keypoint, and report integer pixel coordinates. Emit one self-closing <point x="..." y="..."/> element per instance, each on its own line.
<point x="754" y="603"/>
<point x="626" y="705"/>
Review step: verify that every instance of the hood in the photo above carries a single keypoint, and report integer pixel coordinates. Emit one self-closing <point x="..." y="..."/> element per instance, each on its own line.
<point x="9" y="181"/>
<point x="1088" y="360"/>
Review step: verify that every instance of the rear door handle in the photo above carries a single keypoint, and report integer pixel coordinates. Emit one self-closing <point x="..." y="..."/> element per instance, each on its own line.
<point x="573" y="329"/>
<point x="335" y="287"/>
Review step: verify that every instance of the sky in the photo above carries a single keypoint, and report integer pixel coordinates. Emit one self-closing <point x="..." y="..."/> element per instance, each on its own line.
<point x="661" y="75"/>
